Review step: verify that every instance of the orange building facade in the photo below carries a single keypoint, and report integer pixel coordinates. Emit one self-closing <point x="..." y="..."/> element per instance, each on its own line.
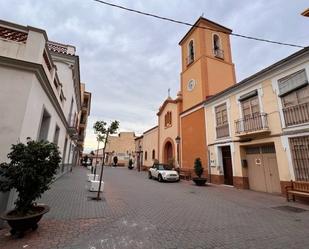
<point x="207" y="69"/>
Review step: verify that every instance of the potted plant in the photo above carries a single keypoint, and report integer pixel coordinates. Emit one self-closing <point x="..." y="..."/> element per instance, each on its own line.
<point x="130" y="164"/>
<point x="198" y="169"/>
<point x="30" y="171"/>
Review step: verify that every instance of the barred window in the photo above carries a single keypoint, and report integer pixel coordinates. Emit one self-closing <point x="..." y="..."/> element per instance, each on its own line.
<point x="300" y="156"/>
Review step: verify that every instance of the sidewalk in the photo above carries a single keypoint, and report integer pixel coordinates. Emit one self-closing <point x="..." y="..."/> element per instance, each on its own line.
<point x="72" y="214"/>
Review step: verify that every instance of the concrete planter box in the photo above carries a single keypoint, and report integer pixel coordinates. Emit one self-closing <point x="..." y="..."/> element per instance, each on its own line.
<point x="91" y="177"/>
<point x="94" y="186"/>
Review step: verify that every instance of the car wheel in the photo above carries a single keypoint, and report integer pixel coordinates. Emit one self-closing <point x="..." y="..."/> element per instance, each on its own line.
<point x="160" y="179"/>
<point x="149" y="176"/>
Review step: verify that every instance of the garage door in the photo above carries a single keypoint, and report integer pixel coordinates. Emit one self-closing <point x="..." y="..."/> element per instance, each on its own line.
<point x="263" y="169"/>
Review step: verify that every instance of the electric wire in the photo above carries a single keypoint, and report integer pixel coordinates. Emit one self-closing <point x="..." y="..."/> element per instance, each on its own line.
<point x="196" y="26"/>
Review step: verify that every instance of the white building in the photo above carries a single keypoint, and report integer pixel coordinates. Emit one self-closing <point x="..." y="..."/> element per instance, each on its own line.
<point x="40" y="91"/>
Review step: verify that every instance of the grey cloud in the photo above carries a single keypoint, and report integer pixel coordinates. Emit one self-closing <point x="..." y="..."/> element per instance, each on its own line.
<point x="129" y="61"/>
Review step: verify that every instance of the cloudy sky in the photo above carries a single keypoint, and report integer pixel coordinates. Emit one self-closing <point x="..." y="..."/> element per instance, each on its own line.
<point x="129" y="61"/>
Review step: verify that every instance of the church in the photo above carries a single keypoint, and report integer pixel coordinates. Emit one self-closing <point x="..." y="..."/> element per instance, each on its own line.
<point x="207" y="69"/>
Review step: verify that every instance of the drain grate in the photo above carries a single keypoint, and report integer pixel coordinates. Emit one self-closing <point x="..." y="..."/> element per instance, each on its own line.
<point x="290" y="209"/>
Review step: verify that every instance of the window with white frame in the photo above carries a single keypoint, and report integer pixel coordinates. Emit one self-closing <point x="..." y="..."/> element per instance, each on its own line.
<point x="222" y="126"/>
<point x="250" y="107"/>
<point x="221" y="115"/>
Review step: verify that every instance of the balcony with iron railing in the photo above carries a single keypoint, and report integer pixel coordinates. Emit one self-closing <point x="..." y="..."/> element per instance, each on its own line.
<point x="223" y="131"/>
<point x="255" y="124"/>
<point x="297" y="114"/>
<point x="85" y="106"/>
<point x="189" y="60"/>
<point x="219" y="53"/>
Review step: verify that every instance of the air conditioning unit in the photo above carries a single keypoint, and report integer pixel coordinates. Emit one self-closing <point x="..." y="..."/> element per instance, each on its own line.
<point x="94" y="186"/>
<point x="91" y="177"/>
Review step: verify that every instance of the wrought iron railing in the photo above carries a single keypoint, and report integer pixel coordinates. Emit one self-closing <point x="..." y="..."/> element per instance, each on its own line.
<point x="219" y="53"/>
<point x="256" y="122"/>
<point x="297" y="114"/>
<point x="189" y="60"/>
<point x="222" y="131"/>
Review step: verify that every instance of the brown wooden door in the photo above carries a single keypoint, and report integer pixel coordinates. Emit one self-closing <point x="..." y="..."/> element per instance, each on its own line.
<point x="271" y="173"/>
<point x="256" y="173"/>
<point x="263" y="169"/>
<point x="227" y="165"/>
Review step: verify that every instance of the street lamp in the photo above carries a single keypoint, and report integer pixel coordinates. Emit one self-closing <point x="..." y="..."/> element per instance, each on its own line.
<point x="177" y="139"/>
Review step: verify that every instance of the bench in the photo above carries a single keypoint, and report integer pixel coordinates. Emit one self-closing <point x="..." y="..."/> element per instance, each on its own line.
<point x="297" y="188"/>
<point x="185" y="174"/>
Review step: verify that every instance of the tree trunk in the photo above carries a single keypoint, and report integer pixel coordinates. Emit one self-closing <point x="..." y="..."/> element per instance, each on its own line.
<point x="102" y="169"/>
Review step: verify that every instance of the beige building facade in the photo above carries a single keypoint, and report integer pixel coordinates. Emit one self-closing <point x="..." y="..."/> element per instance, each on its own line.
<point x="168" y="131"/>
<point x="121" y="146"/>
<point x="138" y="158"/>
<point x="150" y="146"/>
<point x="257" y="131"/>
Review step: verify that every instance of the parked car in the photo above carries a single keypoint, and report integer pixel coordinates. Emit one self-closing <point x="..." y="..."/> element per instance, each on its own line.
<point x="163" y="172"/>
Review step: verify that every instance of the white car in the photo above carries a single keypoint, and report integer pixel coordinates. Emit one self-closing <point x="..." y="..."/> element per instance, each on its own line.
<point x="163" y="172"/>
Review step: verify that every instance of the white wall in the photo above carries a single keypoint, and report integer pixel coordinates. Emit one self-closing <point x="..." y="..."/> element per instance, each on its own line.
<point x="66" y="78"/>
<point x="37" y="101"/>
<point x="15" y="89"/>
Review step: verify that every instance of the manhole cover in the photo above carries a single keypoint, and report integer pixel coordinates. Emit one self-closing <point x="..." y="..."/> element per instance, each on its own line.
<point x="290" y="209"/>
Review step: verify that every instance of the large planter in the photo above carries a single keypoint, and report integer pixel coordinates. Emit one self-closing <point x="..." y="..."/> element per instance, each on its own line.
<point x="21" y="224"/>
<point x="199" y="181"/>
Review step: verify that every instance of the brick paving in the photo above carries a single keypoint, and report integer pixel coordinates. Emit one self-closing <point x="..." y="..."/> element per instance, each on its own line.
<point x="140" y="213"/>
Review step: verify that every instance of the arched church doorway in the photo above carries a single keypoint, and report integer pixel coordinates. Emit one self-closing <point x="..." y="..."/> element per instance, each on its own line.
<point x="168" y="152"/>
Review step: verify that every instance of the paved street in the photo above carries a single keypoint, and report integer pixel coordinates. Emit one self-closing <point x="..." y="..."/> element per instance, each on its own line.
<point x="140" y="213"/>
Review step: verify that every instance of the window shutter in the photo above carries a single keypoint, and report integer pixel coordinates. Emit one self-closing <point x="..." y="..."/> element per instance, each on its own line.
<point x="248" y="95"/>
<point x="292" y="82"/>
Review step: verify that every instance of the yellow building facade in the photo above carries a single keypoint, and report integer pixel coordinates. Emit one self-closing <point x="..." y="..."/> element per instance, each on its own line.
<point x="251" y="135"/>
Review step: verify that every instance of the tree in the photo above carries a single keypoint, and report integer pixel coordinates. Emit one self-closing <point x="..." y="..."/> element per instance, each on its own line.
<point x="102" y="132"/>
<point x="31" y="169"/>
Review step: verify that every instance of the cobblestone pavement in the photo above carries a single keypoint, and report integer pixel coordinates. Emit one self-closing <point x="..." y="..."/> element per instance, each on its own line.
<point x="140" y="213"/>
